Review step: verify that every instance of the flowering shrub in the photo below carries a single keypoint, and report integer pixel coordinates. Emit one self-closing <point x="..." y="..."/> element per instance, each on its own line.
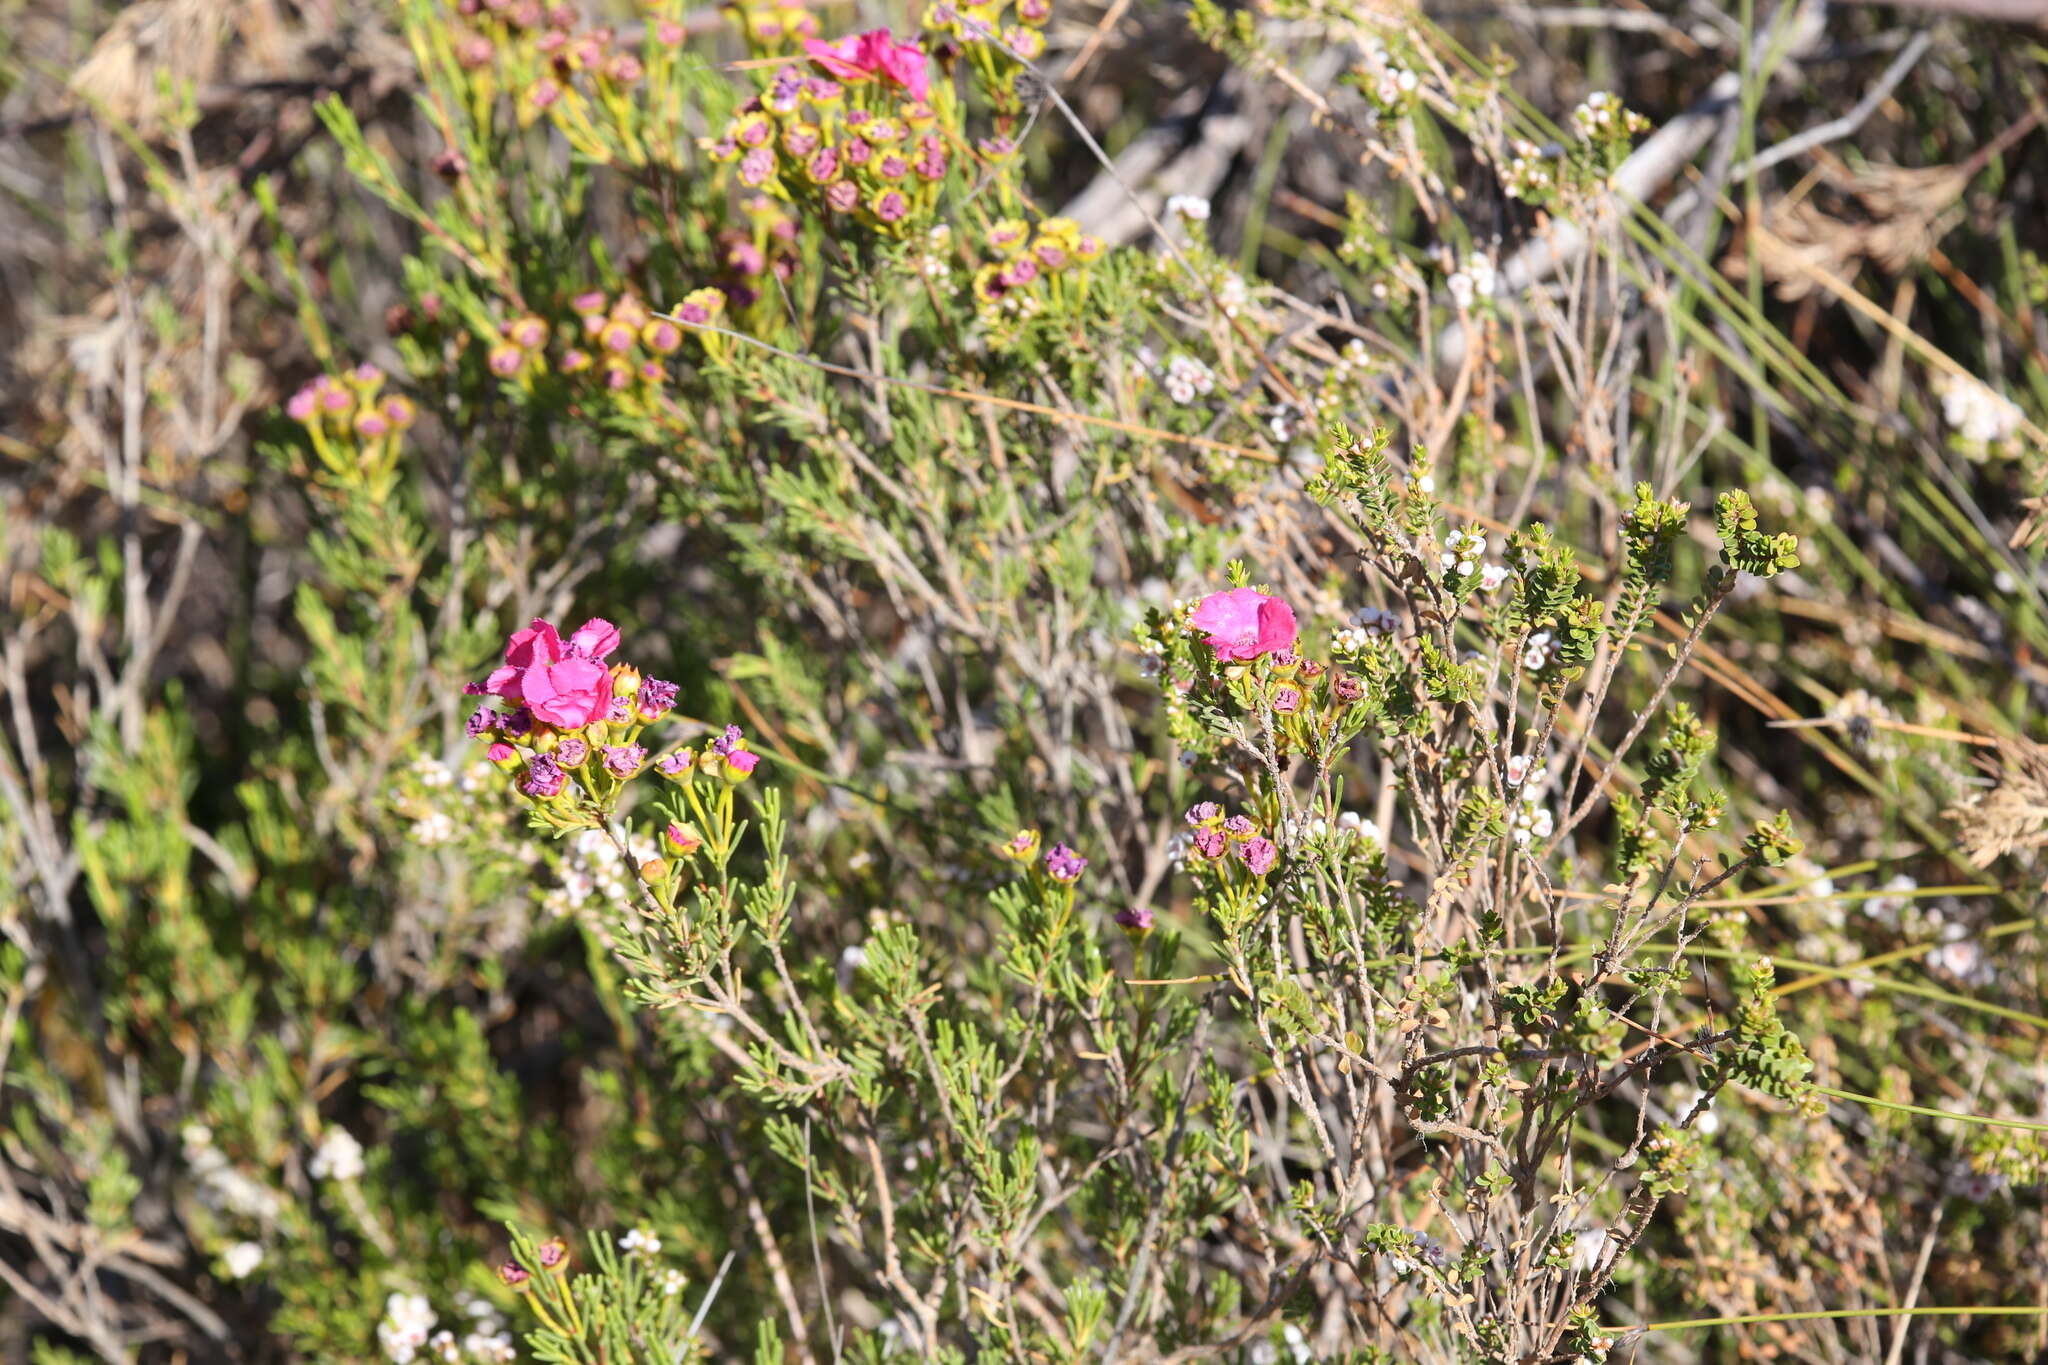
<point x="1166" y="767"/>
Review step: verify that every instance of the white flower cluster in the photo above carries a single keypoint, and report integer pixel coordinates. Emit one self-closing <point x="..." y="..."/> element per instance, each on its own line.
<point x="1477" y="280"/>
<point x="220" y="1184"/>
<point x="590" y="867"/>
<point x="1536" y="650"/>
<point x="338" y="1157"/>
<point x="1232" y="293"/>
<point x="485" y="1343"/>
<point x="432" y="773"/>
<point x="1192" y="207"/>
<point x="408" y="1324"/>
<point x="1527" y="174"/>
<point x="640" y="1242"/>
<point x="1367" y="624"/>
<point x="931" y="262"/>
<point x="1600" y="112"/>
<point x="1531" y="820"/>
<point x="1975" y="412"/>
<point x="1394" y="86"/>
<point x="433" y="829"/>
<point x="1463" y="551"/>
<point x="1187" y="378"/>
<point x="1358" y="827"/>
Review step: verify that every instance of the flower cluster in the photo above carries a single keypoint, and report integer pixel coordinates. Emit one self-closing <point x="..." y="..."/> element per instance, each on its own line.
<point x="1390" y="86"/>
<point x="623" y="343"/>
<point x="1526" y="174"/>
<point x="571" y="735"/>
<point x="1222" y="844"/>
<point x="862" y="135"/>
<point x="1062" y="864"/>
<point x="1026" y="271"/>
<point x="1981" y="418"/>
<point x="355" y="427"/>
<point x="408" y="1323"/>
<point x="1605" y="127"/>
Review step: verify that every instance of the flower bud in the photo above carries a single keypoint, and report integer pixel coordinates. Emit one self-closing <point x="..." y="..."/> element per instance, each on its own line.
<point x="503" y="754"/>
<point x="653" y="870"/>
<point x="514" y="1276"/>
<point x="1136" y="920"/>
<point x="553" y="1255"/>
<point x="682" y="840"/>
<point x="739" y="765"/>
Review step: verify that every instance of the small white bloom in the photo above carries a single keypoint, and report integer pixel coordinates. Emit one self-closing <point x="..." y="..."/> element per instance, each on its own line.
<point x="339" y="1157"/>
<point x="1491" y="576"/>
<point x="1518" y="769"/>
<point x="1976" y="412"/>
<point x="640" y="1242"/>
<point x="241" y="1260"/>
<point x="1462" y="289"/>
<point x="1192" y="207"/>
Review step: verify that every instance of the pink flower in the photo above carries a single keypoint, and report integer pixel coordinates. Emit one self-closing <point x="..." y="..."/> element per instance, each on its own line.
<point x="562" y="682"/>
<point x="874" y="53"/>
<point x="1259" y="855"/>
<point x="570" y="694"/>
<point x="1243" y="624"/>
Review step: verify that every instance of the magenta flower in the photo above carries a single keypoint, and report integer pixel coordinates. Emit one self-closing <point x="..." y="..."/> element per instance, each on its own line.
<point x="1345" y="687"/>
<point x="303" y="405"/>
<point x="1259" y="855"/>
<point x="1286" y="700"/>
<point x="1136" y="919"/>
<point x="571" y="751"/>
<point x="1210" y="842"/>
<point x="562" y="683"/>
<point x="655" y="698"/>
<point x="1240" y="827"/>
<point x="502" y="754"/>
<point x="677" y="764"/>
<point x="1243" y="624"/>
<point x="733" y="738"/>
<point x="625" y="759"/>
<point x="544" y="777"/>
<point x="1204" y="813"/>
<point x="481" y="722"/>
<point x="740" y="764"/>
<point x="872" y="54"/>
<point x="1063" y="864"/>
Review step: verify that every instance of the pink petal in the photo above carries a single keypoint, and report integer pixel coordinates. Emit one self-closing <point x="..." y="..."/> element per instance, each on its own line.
<point x="594" y="639"/>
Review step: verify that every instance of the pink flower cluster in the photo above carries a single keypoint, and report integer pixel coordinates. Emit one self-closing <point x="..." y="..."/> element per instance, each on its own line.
<point x="351" y="403"/>
<point x="856" y="136"/>
<point x="578" y="717"/>
<point x="1216" y="838"/>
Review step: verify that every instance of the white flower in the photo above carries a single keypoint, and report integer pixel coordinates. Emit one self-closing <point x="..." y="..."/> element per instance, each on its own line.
<point x="445" y="1347"/>
<point x="1376" y="621"/>
<point x="672" y="1282"/>
<point x="490" y="1348"/>
<point x="433" y="829"/>
<point x="1352" y="823"/>
<point x="852" y="958"/>
<point x="1518" y="769"/>
<point x="1531" y="821"/>
<point x="1347" y="641"/>
<point x="1975" y="412"/>
<point x="1536" y="651"/>
<point x="1888" y="908"/>
<point x="407" y="1326"/>
<point x="1192" y="207"/>
<point x="339" y="1157"/>
<point x="1479" y="269"/>
<point x="241" y="1260"/>
<point x="1187" y="377"/>
<point x="1462" y="289"/>
<point x="640" y="1242"/>
<point x="1232" y="293"/>
<point x="432" y="772"/>
<point x="1491" y="576"/>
